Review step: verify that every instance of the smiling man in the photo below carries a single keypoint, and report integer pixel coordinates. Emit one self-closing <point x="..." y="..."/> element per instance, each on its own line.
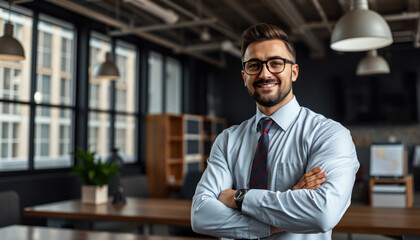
<point x="285" y="173"/>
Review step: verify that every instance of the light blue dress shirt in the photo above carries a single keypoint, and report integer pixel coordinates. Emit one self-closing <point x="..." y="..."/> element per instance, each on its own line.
<point x="300" y="140"/>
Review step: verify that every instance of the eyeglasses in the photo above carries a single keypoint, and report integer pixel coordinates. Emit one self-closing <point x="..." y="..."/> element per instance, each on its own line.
<point x="274" y="65"/>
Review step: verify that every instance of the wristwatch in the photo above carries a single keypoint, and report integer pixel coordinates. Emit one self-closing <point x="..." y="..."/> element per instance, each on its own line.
<point x="239" y="197"/>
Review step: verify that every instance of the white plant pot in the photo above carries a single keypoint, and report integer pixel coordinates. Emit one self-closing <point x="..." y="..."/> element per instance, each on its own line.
<point x="94" y="194"/>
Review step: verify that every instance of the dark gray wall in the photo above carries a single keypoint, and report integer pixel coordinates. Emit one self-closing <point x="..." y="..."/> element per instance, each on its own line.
<point x="34" y="189"/>
<point x="318" y="83"/>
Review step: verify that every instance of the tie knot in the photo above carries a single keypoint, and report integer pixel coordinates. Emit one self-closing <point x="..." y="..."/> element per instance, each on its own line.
<point x="265" y="124"/>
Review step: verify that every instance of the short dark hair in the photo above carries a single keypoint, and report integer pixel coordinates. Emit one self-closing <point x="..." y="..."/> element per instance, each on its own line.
<point x="263" y="31"/>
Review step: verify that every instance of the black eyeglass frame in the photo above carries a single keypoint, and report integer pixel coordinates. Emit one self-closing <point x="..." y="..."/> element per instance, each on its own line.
<point x="265" y="62"/>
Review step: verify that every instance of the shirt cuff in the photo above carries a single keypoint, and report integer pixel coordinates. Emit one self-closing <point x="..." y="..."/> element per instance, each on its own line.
<point x="250" y="206"/>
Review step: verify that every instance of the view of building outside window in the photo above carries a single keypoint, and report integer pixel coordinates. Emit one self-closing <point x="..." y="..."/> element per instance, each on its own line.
<point x="125" y="126"/>
<point x="173" y="88"/>
<point x="14" y="86"/>
<point x="53" y="125"/>
<point x="98" y="135"/>
<point x="155" y="83"/>
<point x="99" y="89"/>
<point x="100" y="106"/>
<point x="53" y="99"/>
<point x="164" y="84"/>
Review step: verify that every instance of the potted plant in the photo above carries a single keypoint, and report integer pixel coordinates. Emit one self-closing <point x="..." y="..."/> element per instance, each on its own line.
<point x="94" y="175"/>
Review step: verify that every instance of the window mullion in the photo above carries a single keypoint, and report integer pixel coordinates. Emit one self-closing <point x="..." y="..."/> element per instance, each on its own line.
<point x="33" y="83"/>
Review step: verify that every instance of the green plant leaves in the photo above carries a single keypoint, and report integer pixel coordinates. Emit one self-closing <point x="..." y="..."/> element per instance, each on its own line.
<point x="91" y="171"/>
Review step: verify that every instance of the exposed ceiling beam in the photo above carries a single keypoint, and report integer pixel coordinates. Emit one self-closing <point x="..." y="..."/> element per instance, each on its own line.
<point x="226" y="46"/>
<point x="19" y="1"/>
<point x="228" y="32"/>
<point x="237" y="7"/>
<point x="133" y="15"/>
<point x="181" y="9"/>
<point x="402" y="16"/>
<point x="88" y="12"/>
<point x="160" y="27"/>
<point x="417" y="36"/>
<point x="221" y="26"/>
<point x="389" y="18"/>
<point x="291" y="16"/>
<point x="322" y="14"/>
<point x="115" y="23"/>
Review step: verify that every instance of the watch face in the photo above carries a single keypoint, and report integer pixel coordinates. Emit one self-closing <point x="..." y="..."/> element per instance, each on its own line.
<point x="240" y="194"/>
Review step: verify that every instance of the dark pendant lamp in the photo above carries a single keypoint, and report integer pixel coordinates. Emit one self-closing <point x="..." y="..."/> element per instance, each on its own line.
<point x="10" y="47"/>
<point x="372" y="64"/>
<point x="360" y="29"/>
<point x="107" y="70"/>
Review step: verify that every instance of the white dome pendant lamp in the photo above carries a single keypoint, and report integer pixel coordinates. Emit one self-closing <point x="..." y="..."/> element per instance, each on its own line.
<point x="372" y="64"/>
<point x="360" y="29"/>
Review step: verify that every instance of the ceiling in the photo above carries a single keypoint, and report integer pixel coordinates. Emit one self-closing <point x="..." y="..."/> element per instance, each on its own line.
<point x="309" y="22"/>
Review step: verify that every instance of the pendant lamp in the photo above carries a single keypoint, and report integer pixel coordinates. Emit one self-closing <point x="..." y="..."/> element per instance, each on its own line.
<point x="107" y="69"/>
<point x="360" y="29"/>
<point x="10" y="47"/>
<point x="372" y="64"/>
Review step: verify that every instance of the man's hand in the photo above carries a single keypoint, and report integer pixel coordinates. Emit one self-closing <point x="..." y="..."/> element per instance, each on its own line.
<point x="311" y="180"/>
<point x="226" y="197"/>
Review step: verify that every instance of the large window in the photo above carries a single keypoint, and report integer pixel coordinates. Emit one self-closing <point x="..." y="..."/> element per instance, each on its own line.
<point x="45" y="46"/>
<point x="14" y="137"/>
<point x="39" y="119"/>
<point x="112" y="123"/>
<point x="125" y="89"/>
<point x="155" y="82"/>
<point x="164" y="84"/>
<point x="14" y="89"/>
<point x="173" y="85"/>
<point x="99" y="98"/>
<point x="54" y="90"/>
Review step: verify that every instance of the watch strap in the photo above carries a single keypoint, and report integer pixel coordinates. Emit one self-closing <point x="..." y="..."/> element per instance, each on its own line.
<point x="239" y="197"/>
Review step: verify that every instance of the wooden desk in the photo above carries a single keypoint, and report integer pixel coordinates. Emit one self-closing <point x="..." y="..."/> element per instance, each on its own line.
<point x="357" y="219"/>
<point x="138" y="210"/>
<point x="18" y="232"/>
<point x="380" y="220"/>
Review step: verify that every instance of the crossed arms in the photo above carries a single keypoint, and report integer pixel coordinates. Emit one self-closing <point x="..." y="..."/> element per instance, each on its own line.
<point x="313" y="205"/>
<point x="310" y="180"/>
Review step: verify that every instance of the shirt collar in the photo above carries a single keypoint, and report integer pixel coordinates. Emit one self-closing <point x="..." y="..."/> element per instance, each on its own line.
<point x="283" y="117"/>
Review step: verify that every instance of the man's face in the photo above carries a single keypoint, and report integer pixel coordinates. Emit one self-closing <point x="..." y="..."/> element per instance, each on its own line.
<point x="270" y="90"/>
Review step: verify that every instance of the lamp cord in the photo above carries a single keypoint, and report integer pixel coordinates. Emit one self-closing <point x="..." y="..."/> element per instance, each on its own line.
<point x="10" y="9"/>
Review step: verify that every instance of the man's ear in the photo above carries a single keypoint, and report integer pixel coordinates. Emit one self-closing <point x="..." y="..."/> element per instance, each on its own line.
<point x="295" y="72"/>
<point x="243" y="77"/>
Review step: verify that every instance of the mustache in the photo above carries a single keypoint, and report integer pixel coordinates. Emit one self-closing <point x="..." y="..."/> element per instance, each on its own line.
<point x="266" y="81"/>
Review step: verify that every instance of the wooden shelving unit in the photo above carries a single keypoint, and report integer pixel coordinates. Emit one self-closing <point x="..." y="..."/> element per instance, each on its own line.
<point x="176" y="144"/>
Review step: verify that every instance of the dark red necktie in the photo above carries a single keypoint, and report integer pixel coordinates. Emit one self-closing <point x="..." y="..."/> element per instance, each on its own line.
<point x="258" y="179"/>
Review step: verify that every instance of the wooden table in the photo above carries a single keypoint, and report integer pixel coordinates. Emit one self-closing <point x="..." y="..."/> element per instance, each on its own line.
<point x="357" y="219"/>
<point x="18" y="232"/>
<point x="138" y="210"/>
<point x="380" y="220"/>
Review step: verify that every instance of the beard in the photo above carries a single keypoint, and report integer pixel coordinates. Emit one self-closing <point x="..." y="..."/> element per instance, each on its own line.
<point x="271" y="101"/>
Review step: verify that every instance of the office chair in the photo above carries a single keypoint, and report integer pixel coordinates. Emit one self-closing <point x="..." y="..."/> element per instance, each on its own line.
<point x="9" y="208"/>
<point x="189" y="184"/>
<point x="187" y="191"/>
